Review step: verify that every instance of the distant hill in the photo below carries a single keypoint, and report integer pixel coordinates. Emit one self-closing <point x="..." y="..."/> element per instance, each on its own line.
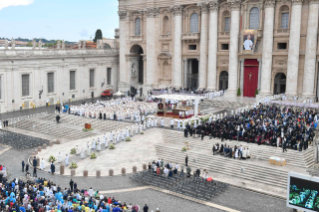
<point x="37" y="39"/>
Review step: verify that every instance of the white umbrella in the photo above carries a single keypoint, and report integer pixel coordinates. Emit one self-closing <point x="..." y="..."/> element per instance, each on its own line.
<point x="119" y="93"/>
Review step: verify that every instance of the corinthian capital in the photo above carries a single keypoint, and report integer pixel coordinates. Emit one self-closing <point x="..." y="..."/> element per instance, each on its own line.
<point x="313" y="1"/>
<point x="234" y="4"/>
<point x="122" y="14"/>
<point x="213" y="5"/>
<point x="269" y="3"/>
<point x="296" y="2"/>
<point x="152" y="12"/>
<point x="177" y="9"/>
<point x="203" y="6"/>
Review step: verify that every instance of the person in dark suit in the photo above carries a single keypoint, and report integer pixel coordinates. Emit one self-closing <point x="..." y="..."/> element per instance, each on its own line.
<point x="71" y="184"/>
<point x="23" y="164"/>
<point x="27" y="167"/>
<point x="186" y="160"/>
<point x="52" y="168"/>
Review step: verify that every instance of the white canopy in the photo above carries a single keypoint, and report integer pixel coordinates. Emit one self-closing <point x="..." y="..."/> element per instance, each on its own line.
<point x="179" y="97"/>
<point x="119" y="93"/>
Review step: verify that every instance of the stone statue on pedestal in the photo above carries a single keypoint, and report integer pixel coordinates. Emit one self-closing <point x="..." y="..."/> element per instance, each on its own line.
<point x="40" y="44"/>
<point x="133" y="70"/>
<point x="79" y="44"/>
<point x="63" y="44"/>
<point x="58" y="45"/>
<point x="6" y="44"/>
<point x="34" y="44"/>
<point x="84" y="44"/>
<point x="13" y="44"/>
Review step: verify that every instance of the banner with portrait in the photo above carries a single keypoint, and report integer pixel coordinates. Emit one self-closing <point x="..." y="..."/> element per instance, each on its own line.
<point x="248" y="41"/>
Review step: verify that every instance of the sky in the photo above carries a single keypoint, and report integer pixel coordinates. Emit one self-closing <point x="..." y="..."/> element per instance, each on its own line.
<point x="71" y="20"/>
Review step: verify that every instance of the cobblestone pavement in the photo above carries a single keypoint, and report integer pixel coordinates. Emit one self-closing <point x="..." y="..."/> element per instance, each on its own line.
<point x="234" y="198"/>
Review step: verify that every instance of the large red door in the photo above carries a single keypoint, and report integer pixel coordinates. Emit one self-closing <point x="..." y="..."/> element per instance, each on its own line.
<point x="250" y="77"/>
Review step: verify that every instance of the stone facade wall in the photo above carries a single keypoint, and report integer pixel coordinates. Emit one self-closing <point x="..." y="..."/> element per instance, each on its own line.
<point x="38" y="63"/>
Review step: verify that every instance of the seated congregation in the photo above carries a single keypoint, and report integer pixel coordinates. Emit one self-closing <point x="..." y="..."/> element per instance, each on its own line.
<point x="39" y="195"/>
<point x="232" y="152"/>
<point x="264" y="124"/>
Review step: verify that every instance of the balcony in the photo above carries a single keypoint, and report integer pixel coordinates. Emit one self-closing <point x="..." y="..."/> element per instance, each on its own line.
<point x="136" y="38"/>
<point x="224" y="33"/>
<point x="281" y="32"/>
<point x="191" y="37"/>
<point x="165" y="37"/>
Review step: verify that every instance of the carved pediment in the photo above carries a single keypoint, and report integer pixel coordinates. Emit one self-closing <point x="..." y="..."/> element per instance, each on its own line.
<point x="164" y="55"/>
<point x="281" y="62"/>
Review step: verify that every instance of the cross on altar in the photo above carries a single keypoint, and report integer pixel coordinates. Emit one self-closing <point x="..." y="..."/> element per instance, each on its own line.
<point x="250" y="75"/>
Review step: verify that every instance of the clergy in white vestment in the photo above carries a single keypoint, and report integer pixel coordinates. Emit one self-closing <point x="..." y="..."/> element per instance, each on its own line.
<point x="111" y="136"/>
<point x="127" y="132"/>
<point x="59" y="157"/>
<point x="77" y="150"/>
<point x="118" y="135"/>
<point x="152" y="122"/>
<point x="172" y="123"/>
<point x="184" y="125"/>
<point x="162" y="122"/>
<point x="42" y="164"/>
<point x="104" y="139"/>
<point x="98" y="146"/>
<point x="178" y="124"/>
<point x="82" y="153"/>
<point x="93" y="144"/>
<point x="155" y="123"/>
<point x="66" y="160"/>
<point x="88" y="149"/>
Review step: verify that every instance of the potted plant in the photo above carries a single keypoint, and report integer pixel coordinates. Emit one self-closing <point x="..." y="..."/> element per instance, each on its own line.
<point x="93" y="156"/>
<point x="184" y="149"/>
<point x="128" y="139"/>
<point x="238" y="92"/>
<point x="73" y="151"/>
<point x="111" y="146"/>
<point x="73" y="165"/>
<point x="52" y="159"/>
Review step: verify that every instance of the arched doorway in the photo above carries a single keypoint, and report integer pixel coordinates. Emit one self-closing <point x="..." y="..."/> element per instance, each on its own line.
<point x="223" y="80"/>
<point x="137" y="72"/>
<point x="192" y="74"/>
<point x="280" y="83"/>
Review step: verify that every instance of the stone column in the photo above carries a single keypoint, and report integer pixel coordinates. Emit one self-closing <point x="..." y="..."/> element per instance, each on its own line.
<point x="177" y="58"/>
<point x="266" y="64"/>
<point x="185" y="73"/>
<point x="151" y="14"/>
<point x="233" y="49"/>
<point x="311" y="45"/>
<point x="123" y="29"/>
<point x="241" y="81"/>
<point x="203" y="46"/>
<point x="259" y="73"/>
<point x="212" y="51"/>
<point x="293" y="52"/>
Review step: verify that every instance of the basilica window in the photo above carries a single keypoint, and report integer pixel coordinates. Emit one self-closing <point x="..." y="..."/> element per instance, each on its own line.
<point x="25" y="85"/>
<point x="254" y="18"/>
<point x="226" y="19"/>
<point x="194" y="23"/>
<point x="50" y="82"/>
<point x="109" y="75"/>
<point x="72" y="80"/>
<point x="92" y="73"/>
<point x="137" y="27"/>
<point x="284" y="13"/>
<point x="166" y="27"/>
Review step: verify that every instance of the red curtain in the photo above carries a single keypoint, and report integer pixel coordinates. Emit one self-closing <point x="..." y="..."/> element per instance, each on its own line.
<point x="250" y="77"/>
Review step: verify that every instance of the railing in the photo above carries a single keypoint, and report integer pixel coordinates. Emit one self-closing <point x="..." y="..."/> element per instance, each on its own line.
<point x="165" y="37"/>
<point x="224" y="33"/>
<point x="136" y="38"/>
<point x="191" y="36"/>
<point x="55" y="52"/>
<point x="282" y="31"/>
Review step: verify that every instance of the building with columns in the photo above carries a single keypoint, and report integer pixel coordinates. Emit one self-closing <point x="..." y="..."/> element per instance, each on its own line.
<point x="196" y="43"/>
<point x="31" y="78"/>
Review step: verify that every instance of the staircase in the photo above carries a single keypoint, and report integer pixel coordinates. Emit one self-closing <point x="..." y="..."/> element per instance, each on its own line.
<point x="225" y="166"/>
<point x="304" y="159"/>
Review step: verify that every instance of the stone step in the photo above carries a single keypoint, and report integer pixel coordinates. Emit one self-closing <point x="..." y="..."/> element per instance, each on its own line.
<point x="250" y="174"/>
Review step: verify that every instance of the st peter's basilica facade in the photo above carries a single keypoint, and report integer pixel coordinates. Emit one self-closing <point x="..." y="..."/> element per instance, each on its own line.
<point x="269" y="46"/>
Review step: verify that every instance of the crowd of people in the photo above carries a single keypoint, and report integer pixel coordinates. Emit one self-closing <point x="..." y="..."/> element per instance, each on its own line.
<point x="264" y="124"/>
<point x="236" y="152"/>
<point x="114" y="109"/>
<point x="40" y="194"/>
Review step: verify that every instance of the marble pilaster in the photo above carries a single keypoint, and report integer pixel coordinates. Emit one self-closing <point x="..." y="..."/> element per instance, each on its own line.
<point x="203" y="46"/>
<point x="123" y="36"/>
<point x="212" y="56"/>
<point x="311" y="45"/>
<point x="293" y="52"/>
<point x="241" y="81"/>
<point x="233" y="48"/>
<point x="151" y="14"/>
<point x="177" y="58"/>
<point x="259" y="74"/>
<point x="266" y="64"/>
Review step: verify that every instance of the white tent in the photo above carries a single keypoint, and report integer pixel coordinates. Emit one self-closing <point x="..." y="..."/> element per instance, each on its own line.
<point x="119" y="93"/>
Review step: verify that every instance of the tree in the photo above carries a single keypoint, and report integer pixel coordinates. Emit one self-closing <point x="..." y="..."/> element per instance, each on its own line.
<point x="98" y="35"/>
